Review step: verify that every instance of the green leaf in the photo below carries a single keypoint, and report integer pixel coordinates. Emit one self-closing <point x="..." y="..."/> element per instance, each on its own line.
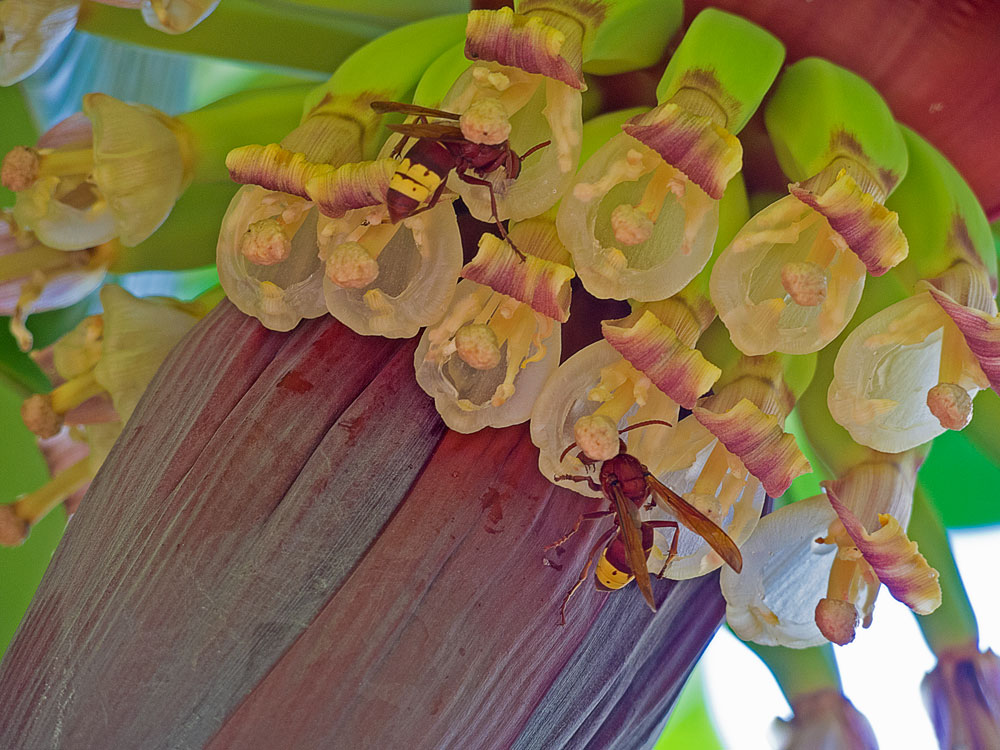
<point x="18" y="129"/>
<point x="962" y="482"/>
<point x="690" y="725"/>
<point x="23" y="469"/>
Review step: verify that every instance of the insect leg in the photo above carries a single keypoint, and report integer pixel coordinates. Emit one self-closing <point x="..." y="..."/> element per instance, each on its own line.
<point x="533" y="149"/>
<point x="576" y="527"/>
<point x="672" y="553"/>
<point x="493" y="205"/>
<point x="575" y="478"/>
<point x="601" y="541"/>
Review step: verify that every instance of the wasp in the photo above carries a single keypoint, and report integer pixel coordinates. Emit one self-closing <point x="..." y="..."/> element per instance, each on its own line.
<point x="441" y="147"/>
<point x="627" y="485"/>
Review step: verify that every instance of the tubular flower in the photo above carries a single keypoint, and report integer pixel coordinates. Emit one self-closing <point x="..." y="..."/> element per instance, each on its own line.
<point x="116" y="170"/>
<point x="906" y="374"/>
<point x="268" y="251"/>
<point x="812" y="571"/>
<point x="383" y="277"/>
<point x="104" y="365"/>
<point x="825" y="720"/>
<point x="962" y="695"/>
<point x="488" y="358"/>
<point x="642" y="215"/>
<point x="34" y="277"/>
<point x="595" y="393"/>
<point x="120" y="180"/>
<point x="527" y="64"/>
<point x="113" y="355"/>
<point x="792" y="278"/>
<point x="910" y="371"/>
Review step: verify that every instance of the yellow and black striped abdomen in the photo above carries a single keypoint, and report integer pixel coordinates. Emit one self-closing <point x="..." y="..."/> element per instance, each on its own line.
<point x="608" y="576"/>
<point x="415" y="180"/>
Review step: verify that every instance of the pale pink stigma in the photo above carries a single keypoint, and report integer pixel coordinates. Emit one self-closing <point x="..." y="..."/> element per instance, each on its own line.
<point x="951" y="404"/>
<point x="805" y="282"/>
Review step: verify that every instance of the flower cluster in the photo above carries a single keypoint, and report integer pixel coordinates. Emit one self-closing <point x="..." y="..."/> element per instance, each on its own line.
<point x="648" y="206"/>
<point x="846" y="287"/>
<point x="477" y="194"/>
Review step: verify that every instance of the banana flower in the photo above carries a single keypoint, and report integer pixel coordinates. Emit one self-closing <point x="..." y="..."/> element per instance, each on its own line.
<point x="910" y="371"/>
<point x="116" y="170"/>
<point x="642" y="215"/>
<point x="813" y="568"/>
<point x="792" y="278"/>
<point x="488" y="358"/>
<point x="111" y="358"/>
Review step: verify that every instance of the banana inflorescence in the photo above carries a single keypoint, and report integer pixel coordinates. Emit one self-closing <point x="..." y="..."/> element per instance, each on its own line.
<point x="862" y="300"/>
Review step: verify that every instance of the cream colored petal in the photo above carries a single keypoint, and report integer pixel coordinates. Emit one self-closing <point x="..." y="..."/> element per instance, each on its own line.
<point x="138" y="335"/>
<point x="691" y="461"/>
<point x="469" y="400"/>
<point x="139" y="164"/>
<point x="419" y="261"/>
<point x="30" y="30"/>
<point x="281" y="294"/>
<point x="885" y="368"/>
<point x="84" y="221"/>
<point x="176" y="16"/>
<point x="541" y="109"/>
<point x="747" y="281"/>
<point x="785" y="574"/>
<point x="658" y="264"/>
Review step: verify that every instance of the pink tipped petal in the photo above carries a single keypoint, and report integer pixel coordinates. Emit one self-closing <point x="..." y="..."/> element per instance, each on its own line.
<point x="541" y="284"/>
<point x="981" y="333"/>
<point x="339" y="190"/>
<point x="708" y="154"/>
<point x="653" y="348"/>
<point x="526" y="43"/>
<point x="768" y="452"/>
<point x="271" y="167"/>
<point x="894" y="558"/>
<point x="869" y="228"/>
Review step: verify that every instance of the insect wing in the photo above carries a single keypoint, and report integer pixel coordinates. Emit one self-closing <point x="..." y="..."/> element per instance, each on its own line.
<point x="435" y="131"/>
<point x="412" y="109"/>
<point x="632" y="536"/>
<point x="698" y="522"/>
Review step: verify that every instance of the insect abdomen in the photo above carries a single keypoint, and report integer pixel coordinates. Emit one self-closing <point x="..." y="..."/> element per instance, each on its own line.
<point x="416" y="178"/>
<point x="608" y="576"/>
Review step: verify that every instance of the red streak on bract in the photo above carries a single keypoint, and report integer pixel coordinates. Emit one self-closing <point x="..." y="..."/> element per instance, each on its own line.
<point x="294" y="381"/>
